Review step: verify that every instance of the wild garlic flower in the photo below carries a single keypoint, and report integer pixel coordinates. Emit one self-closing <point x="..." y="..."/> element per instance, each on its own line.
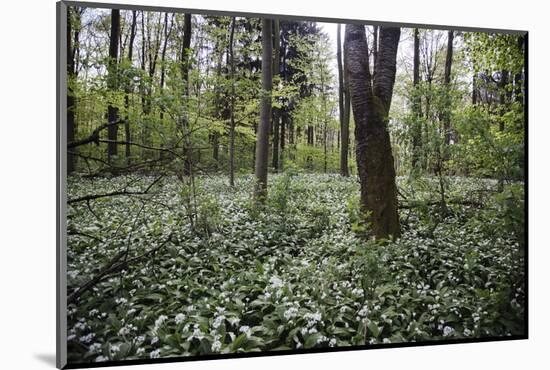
<point x="180" y="317"/>
<point x="447" y="330"/>
<point x="290" y="313"/>
<point x="245" y="329"/>
<point x="216" y="346"/>
<point x="95" y="347"/>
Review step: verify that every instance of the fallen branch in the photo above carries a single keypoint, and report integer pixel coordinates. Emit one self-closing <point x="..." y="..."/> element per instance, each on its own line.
<point x="87" y="198"/>
<point x="417" y="204"/>
<point x="112" y="267"/>
<point x="94" y="137"/>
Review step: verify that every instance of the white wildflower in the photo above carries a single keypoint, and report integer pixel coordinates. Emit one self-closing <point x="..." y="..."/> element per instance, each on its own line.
<point x="180" y="317"/>
<point x="245" y="329"/>
<point x="447" y="330"/>
<point x="87" y="338"/>
<point x="94" y="347"/>
<point x="290" y="313"/>
<point x="276" y="282"/>
<point x="216" y="346"/>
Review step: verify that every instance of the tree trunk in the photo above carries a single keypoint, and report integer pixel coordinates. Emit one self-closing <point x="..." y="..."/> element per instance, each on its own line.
<point x="447" y="83"/>
<point x="276" y="111"/>
<point x="127" y="135"/>
<point x="375" y="49"/>
<point x="167" y="32"/>
<point x="371" y="100"/>
<point x="232" y="108"/>
<point x="347" y="114"/>
<point x="185" y="51"/>
<point x="262" y="139"/>
<point x="342" y="107"/>
<point x="71" y="99"/>
<point x="112" y="82"/>
<point x="285" y="110"/>
<point x="416" y="105"/>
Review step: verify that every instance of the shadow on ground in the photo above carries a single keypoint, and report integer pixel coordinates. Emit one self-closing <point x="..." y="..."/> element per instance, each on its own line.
<point x="47" y="358"/>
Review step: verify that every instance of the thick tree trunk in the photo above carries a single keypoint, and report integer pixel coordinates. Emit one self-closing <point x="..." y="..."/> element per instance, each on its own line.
<point x="232" y="108"/>
<point x="262" y="138"/>
<point x="371" y="102"/>
<point x="276" y="111"/>
<point x="416" y="105"/>
<point x="344" y="126"/>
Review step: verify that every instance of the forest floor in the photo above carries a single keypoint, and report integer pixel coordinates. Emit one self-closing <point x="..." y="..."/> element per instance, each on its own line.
<point x="227" y="276"/>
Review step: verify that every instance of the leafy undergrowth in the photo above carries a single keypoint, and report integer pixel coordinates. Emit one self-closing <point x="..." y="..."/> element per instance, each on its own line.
<point x="295" y="274"/>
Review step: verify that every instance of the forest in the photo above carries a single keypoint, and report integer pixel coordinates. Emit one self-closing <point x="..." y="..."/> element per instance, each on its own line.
<point x="240" y="184"/>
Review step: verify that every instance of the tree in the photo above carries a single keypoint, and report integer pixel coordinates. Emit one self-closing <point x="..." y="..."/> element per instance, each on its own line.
<point x="232" y="107"/>
<point x="72" y="17"/>
<point x="343" y="99"/>
<point x="262" y="138"/>
<point x="371" y="100"/>
<point x="127" y="134"/>
<point x="184" y="118"/>
<point x="447" y="99"/>
<point x="112" y="82"/>
<point x="276" y="111"/>
<point x="416" y="104"/>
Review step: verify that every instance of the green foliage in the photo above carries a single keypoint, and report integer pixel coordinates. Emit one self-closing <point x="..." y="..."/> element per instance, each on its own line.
<point x="294" y="274"/>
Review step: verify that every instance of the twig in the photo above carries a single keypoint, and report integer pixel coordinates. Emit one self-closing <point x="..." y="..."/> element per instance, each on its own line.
<point x="114" y="193"/>
<point x="112" y="267"/>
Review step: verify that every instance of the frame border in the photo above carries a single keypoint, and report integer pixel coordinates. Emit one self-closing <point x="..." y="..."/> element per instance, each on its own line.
<point x="61" y="186"/>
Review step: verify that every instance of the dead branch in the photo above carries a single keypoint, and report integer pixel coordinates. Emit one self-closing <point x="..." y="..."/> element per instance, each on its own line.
<point x="112" y="267"/>
<point x="87" y="198"/>
<point x="94" y="137"/>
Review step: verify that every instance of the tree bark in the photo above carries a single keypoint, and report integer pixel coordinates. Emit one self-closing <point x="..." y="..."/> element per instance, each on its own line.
<point x="127" y="134"/>
<point x="262" y="138"/>
<point x="276" y="111"/>
<point x="371" y="100"/>
<point x="344" y="128"/>
<point x="112" y="111"/>
<point x="185" y="51"/>
<point x="447" y="83"/>
<point x="416" y="105"/>
<point x="232" y="108"/>
<point x="71" y="99"/>
<point x="167" y="33"/>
